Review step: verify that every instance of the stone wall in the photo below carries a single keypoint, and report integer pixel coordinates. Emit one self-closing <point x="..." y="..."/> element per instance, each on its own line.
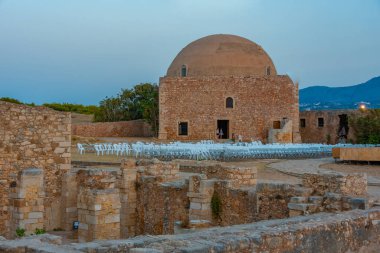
<point x="27" y="201"/>
<point x="273" y="199"/>
<point x="237" y="206"/>
<point x="133" y="128"/>
<point x="259" y="101"/>
<point x="345" y="184"/>
<point x="239" y="176"/>
<point x="312" y="133"/>
<point x="160" y="205"/>
<point x="33" y="137"/>
<point x="98" y="204"/>
<point x="354" y="231"/>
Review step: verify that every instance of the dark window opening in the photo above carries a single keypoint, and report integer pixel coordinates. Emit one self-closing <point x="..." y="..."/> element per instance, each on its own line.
<point x="182" y="128"/>
<point x="184" y="71"/>
<point x="303" y="122"/>
<point x="268" y="71"/>
<point x="229" y="103"/>
<point x="321" y="122"/>
<point x="277" y="124"/>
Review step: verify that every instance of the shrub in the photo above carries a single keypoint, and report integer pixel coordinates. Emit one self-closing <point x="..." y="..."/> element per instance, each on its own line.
<point x="367" y="127"/>
<point x="20" y="232"/>
<point x="216" y="205"/>
<point x="40" y="231"/>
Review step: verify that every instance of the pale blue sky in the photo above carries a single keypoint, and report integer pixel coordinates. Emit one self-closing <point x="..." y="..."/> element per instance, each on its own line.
<point x="80" y="51"/>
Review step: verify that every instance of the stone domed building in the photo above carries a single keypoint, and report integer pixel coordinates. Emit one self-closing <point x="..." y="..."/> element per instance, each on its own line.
<point x="227" y="84"/>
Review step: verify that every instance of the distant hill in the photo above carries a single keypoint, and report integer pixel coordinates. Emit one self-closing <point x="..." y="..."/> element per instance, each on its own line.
<point x="325" y="98"/>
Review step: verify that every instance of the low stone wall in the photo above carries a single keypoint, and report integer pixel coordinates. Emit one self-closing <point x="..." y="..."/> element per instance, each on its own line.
<point x="133" y="128"/>
<point x="160" y="205"/>
<point x="240" y="176"/>
<point x="272" y="200"/>
<point x="167" y="171"/>
<point x="345" y="184"/>
<point x="354" y="231"/>
<point x="237" y="206"/>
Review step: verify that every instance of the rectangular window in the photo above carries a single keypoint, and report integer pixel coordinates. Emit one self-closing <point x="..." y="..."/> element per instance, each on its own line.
<point x="321" y="122"/>
<point x="182" y="128"/>
<point x="303" y="122"/>
<point x="276" y="124"/>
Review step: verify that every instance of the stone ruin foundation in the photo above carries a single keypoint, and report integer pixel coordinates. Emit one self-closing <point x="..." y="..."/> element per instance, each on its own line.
<point x="168" y="205"/>
<point x="150" y="197"/>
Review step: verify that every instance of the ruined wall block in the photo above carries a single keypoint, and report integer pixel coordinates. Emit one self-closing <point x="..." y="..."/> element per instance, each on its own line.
<point x="27" y="200"/>
<point x="345" y="184"/>
<point x="168" y="171"/>
<point x="98" y="204"/>
<point x="127" y="185"/>
<point x="29" y="136"/>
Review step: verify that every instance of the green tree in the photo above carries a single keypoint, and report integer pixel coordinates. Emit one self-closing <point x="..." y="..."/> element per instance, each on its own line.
<point x="367" y="126"/>
<point x="140" y="102"/>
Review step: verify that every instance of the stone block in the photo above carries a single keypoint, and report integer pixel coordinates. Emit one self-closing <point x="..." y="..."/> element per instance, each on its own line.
<point x="302" y="207"/>
<point x="316" y="200"/>
<point x="112" y="218"/>
<point x="35" y="215"/>
<point x="195" y="206"/>
<point x="298" y="199"/>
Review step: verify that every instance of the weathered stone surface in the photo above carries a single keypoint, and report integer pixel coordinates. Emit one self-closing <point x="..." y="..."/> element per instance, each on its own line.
<point x="249" y="118"/>
<point x="330" y="233"/>
<point x="28" y="138"/>
<point x="346" y="184"/>
<point x="312" y="133"/>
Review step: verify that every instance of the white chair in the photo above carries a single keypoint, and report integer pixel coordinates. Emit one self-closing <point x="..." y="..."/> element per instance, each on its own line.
<point x="80" y="148"/>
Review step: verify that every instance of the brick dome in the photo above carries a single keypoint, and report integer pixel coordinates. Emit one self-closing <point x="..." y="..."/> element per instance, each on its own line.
<point x="222" y="55"/>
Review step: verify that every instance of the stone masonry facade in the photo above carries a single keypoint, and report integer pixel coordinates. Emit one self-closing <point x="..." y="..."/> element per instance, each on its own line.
<point x="259" y="102"/>
<point x="32" y="137"/>
<point x="311" y="132"/>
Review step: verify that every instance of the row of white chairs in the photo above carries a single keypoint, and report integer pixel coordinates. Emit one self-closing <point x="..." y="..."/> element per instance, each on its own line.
<point x="105" y="148"/>
<point x="208" y="150"/>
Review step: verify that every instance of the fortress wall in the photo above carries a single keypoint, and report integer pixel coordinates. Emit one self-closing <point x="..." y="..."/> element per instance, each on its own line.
<point x="133" y="128"/>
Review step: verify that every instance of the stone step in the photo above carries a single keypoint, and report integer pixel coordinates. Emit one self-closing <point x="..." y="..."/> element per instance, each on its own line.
<point x="317" y="200"/>
<point x="298" y="200"/>
<point x="199" y="224"/>
<point x="303" y="191"/>
<point x="303" y="207"/>
<point x="350" y="203"/>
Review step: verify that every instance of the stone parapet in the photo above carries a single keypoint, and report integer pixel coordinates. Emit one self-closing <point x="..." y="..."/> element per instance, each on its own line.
<point x="354" y="231"/>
